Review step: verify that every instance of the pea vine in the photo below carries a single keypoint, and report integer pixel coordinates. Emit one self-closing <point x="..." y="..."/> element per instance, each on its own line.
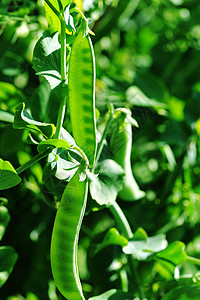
<point x="64" y="56"/>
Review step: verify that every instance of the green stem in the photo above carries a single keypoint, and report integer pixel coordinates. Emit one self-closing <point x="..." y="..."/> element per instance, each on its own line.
<point x="103" y="137"/>
<point x="127" y="232"/>
<point x="60" y="6"/>
<point x="63" y="49"/>
<point x="121" y="220"/>
<point x="62" y="107"/>
<point x="31" y="162"/>
<point x="193" y="260"/>
<point x="61" y="115"/>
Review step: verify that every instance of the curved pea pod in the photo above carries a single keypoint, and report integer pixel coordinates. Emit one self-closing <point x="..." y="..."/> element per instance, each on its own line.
<point x="81" y="95"/>
<point x="64" y="241"/>
<point x="121" y="143"/>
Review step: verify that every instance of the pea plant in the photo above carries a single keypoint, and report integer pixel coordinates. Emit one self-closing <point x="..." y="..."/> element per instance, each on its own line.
<point x="88" y="157"/>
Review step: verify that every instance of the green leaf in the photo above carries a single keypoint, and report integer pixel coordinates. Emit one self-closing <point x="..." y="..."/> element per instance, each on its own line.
<point x="10" y="96"/>
<point x="8" y="175"/>
<point x="136" y="97"/>
<point x="140" y="235"/>
<point x="188" y="292"/>
<point x="52" y="143"/>
<point x="105" y="187"/>
<point x="63" y="163"/>
<point x="143" y="249"/>
<point x="4" y="220"/>
<point x="172" y="256"/>
<point x="8" y="258"/>
<point x="24" y="120"/>
<point x="46" y="58"/>
<point x="112" y="237"/>
<point x="40" y="102"/>
<point x="69" y="21"/>
<point x="113" y="295"/>
<point x="6" y="116"/>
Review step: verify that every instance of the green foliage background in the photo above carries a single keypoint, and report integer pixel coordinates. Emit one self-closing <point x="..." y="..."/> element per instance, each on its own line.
<point x="147" y="57"/>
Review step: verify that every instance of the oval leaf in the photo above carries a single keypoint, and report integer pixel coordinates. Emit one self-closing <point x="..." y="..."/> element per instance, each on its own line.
<point x="112" y="237"/>
<point x="8" y="175"/>
<point x="8" y="258"/>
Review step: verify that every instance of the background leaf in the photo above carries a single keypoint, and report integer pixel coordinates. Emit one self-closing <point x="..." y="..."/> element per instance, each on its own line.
<point x="4" y="220"/>
<point x="8" y="258"/>
<point x="113" y="295"/>
<point x="142" y="249"/>
<point x="8" y="175"/>
<point x="188" y="292"/>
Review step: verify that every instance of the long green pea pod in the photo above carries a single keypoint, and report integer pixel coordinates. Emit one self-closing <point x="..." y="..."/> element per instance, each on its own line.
<point x="81" y="95"/>
<point x="64" y="242"/>
<point x="121" y="144"/>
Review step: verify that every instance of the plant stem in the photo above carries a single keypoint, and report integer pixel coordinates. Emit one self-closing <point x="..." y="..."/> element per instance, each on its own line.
<point x="127" y="232"/>
<point x="61" y="115"/>
<point x="63" y="49"/>
<point x="193" y="260"/>
<point x="32" y="161"/>
<point x="121" y="220"/>
<point x="103" y="137"/>
<point x="62" y="107"/>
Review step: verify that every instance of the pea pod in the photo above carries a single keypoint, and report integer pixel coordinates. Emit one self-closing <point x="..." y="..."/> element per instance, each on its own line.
<point x="64" y="240"/>
<point x="81" y="95"/>
<point x="121" y="143"/>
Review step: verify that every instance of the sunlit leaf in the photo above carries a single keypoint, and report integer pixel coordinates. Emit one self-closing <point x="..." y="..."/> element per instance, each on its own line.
<point x="69" y="21"/>
<point x="46" y="58"/>
<point x="105" y="187"/>
<point x="143" y="249"/>
<point x="63" y="163"/>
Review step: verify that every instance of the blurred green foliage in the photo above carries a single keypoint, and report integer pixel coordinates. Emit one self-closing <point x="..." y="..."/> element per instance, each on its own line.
<point x="148" y="60"/>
